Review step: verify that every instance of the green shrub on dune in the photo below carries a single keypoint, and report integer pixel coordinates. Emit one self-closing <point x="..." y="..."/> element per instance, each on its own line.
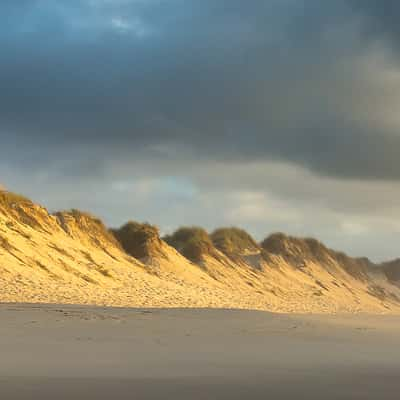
<point x="191" y="242"/>
<point x="233" y="241"/>
<point x="138" y="240"/>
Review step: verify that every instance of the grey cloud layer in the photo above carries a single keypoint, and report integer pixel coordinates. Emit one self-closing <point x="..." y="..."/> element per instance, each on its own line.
<point x="230" y="80"/>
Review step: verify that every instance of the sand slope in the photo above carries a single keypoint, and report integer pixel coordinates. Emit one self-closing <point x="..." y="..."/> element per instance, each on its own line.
<point x="71" y="257"/>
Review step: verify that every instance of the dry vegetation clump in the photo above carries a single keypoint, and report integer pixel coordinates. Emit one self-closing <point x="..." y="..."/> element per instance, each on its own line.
<point x="22" y="208"/>
<point x="101" y="269"/>
<point x="233" y="241"/>
<point x="275" y="244"/>
<point x="9" y="199"/>
<point x="139" y="240"/>
<point x="12" y="201"/>
<point x="5" y="243"/>
<point x="82" y="218"/>
<point x="192" y="242"/>
<point x="298" y="251"/>
<point x="75" y="220"/>
<point x="293" y="248"/>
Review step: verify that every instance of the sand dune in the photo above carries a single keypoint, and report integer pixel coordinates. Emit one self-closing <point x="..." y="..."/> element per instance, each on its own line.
<point x="71" y="257"/>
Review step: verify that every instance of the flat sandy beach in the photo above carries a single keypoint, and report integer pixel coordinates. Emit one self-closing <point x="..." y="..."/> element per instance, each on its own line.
<point x="74" y="352"/>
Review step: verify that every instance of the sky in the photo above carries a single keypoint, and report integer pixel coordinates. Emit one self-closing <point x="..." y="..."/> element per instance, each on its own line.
<point x="279" y="115"/>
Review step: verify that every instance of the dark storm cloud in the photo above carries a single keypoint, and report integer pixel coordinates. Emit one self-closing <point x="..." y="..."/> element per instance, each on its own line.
<point x="380" y="18"/>
<point x="95" y="81"/>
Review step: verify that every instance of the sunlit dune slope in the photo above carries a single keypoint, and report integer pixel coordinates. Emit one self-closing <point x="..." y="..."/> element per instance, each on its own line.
<point x="71" y="257"/>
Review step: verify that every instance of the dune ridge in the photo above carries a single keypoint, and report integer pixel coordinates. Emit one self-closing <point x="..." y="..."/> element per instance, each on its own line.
<point x="72" y="257"/>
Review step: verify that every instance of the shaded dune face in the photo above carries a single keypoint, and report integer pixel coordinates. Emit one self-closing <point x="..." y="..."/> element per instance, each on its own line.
<point x="392" y="271"/>
<point x="72" y="257"/>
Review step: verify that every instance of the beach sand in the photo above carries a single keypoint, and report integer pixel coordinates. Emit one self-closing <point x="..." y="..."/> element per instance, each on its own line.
<point x="80" y="352"/>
